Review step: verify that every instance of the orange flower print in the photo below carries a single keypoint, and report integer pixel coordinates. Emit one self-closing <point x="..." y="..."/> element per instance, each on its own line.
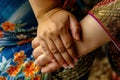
<point x="2" y="78"/>
<point x="36" y="77"/>
<point x="1" y="34"/>
<point x="30" y="69"/>
<point x="19" y="57"/>
<point x="7" y="26"/>
<point x="13" y="70"/>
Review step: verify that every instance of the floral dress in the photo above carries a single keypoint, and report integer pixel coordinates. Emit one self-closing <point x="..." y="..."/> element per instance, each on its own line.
<point x="17" y="29"/>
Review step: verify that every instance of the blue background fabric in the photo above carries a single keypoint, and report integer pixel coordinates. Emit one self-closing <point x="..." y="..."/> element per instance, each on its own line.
<point x="17" y="29"/>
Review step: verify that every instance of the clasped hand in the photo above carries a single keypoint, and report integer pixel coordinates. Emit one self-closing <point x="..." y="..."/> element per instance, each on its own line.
<point x="53" y="45"/>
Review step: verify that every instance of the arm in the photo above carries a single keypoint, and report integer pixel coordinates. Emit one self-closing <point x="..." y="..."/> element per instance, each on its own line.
<point x="107" y="14"/>
<point x="40" y="7"/>
<point x="54" y="24"/>
<point x="93" y="36"/>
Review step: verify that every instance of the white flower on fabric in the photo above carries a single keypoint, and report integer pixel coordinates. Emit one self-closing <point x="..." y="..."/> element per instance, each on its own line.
<point x="4" y="64"/>
<point x="21" y="36"/>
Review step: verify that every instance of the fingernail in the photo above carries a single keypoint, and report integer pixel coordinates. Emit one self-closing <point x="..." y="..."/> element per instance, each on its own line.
<point x="65" y="65"/>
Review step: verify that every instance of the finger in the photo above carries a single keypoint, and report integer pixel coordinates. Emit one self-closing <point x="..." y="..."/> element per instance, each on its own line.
<point x="46" y="49"/>
<point x="69" y="45"/>
<point x="63" y="52"/>
<point x="37" y="52"/>
<point x="56" y="52"/>
<point x="42" y="60"/>
<point x="50" y="67"/>
<point x="35" y="43"/>
<point x="75" y="27"/>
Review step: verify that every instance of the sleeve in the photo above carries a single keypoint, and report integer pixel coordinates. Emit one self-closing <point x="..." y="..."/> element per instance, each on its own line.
<point x="107" y="14"/>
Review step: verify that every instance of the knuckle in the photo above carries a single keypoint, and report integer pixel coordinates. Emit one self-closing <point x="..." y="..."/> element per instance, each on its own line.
<point x="48" y="54"/>
<point x="68" y="45"/>
<point x="42" y="35"/>
<point x="54" y="24"/>
<point x="62" y="49"/>
<point x="53" y="34"/>
<point x="44" y="48"/>
<point x="61" y="27"/>
<point x="54" y="50"/>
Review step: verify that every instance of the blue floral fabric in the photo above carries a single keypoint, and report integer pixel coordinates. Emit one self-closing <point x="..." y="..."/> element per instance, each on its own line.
<point x="17" y="29"/>
<point x="17" y="22"/>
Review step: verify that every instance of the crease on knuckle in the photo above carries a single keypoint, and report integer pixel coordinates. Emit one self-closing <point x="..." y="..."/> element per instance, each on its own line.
<point x="49" y="55"/>
<point x="68" y="45"/>
<point x="62" y="49"/>
<point x="53" y="34"/>
<point x="44" y="48"/>
<point x="54" y="50"/>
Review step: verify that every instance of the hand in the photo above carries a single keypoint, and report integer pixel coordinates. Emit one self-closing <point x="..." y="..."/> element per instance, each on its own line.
<point x="43" y="60"/>
<point x="83" y="46"/>
<point x="54" y="37"/>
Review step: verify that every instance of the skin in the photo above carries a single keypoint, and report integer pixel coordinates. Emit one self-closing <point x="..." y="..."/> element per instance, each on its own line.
<point x="93" y="36"/>
<point x="55" y="39"/>
<point x="40" y="9"/>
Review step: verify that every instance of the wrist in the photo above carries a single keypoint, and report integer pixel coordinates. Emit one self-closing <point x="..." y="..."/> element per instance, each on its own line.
<point x="48" y="15"/>
<point x="40" y="7"/>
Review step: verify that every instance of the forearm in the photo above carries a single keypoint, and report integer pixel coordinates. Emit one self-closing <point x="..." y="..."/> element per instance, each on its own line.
<point x="107" y="13"/>
<point x="93" y="36"/>
<point x="40" y="7"/>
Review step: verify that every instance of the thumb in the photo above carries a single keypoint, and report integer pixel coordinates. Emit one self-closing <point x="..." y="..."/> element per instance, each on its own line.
<point x="74" y="27"/>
